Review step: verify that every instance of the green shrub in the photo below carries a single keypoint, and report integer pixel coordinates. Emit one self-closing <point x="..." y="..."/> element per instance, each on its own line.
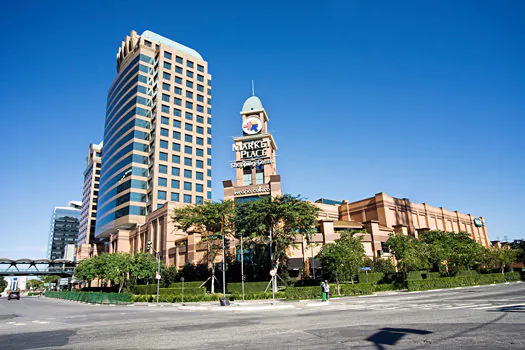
<point x="415" y="275"/>
<point x="193" y="284"/>
<point x="353" y="289"/>
<point x="258" y="296"/>
<point x="171" y="298"/>
<point x="433" y="275"/>
<point x="512" y="276"/>
<point x="303" y="292"/>
<point x="92" y="297"/>
<point x="467" y="273"/>
<point x="386" y="287"/>
<point x="370" y="277"/>
<point x="152" y="289"/>
<point x="249" y="287"/>
<point x="452" y="282"/>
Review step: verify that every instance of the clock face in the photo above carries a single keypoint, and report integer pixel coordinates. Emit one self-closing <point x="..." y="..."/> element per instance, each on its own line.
<point x="252" y="125"/>
<point x="478" y="222"/>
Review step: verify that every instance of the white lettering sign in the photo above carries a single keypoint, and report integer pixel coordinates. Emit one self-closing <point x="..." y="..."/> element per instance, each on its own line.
<point x="251" y="163"/>
<point x="255" y="190"/>
<point x="251" y="145"/>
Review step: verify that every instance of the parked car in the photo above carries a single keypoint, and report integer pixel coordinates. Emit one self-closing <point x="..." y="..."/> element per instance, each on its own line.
<point x="14" y="295"/>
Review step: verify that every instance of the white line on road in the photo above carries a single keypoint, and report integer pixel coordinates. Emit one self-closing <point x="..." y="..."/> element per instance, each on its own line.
<point x="495" y="306"/>
<point x="464" y="306"/>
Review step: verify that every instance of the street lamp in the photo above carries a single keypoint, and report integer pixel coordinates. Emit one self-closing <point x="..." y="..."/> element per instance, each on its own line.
<point x="157" y="276"/>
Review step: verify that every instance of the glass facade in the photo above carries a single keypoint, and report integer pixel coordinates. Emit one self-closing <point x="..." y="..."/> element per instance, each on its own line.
<point x="144" y="104"/>
<point x="64" y="230"/>
<point x="90" y="192"/>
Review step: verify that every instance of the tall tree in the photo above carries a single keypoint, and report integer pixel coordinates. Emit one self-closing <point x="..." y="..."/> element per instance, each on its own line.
<point x="86" y="270"/>
<point x="409" y="252"/>
<point x="3" y="284"/>
<point x="343" y="257"/>
<point x="506" y="257"/>
<point x="452" y="250"/>
<point x="276" y="220"/>
<point x="212" y="219"/>
<point x="144" y="266"/>
<point x="48" y="279"/>
<point x="34" y="284"/>
<point x="115" y="268"/>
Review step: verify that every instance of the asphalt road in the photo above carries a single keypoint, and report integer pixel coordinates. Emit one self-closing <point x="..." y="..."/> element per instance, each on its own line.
<point x="488" y="317"/>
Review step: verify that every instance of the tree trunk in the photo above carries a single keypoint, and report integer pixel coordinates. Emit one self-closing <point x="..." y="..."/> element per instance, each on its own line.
<point x="212" y="278"/>
<point x="338" y="286"/>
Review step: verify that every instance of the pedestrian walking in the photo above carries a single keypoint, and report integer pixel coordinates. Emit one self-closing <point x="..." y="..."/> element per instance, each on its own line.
<point x="323" y="291"/>
<point x="327" y="289"/>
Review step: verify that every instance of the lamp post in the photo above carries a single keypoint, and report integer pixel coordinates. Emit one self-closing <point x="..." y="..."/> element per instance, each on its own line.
<point x="242" y="268"/>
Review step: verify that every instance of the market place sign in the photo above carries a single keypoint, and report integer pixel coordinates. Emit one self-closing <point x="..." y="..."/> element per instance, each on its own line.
<point x="252" y="153"/>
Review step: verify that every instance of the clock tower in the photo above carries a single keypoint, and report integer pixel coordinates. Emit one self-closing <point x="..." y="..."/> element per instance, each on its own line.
<point x="254" y="164"/>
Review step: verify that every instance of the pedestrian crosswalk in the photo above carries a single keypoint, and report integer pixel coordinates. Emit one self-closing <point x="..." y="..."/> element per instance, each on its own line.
<point x="428" y="306"/>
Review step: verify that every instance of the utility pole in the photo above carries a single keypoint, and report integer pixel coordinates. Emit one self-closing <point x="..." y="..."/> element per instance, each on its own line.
<point x="274" y="280"/>
<point x="157" y="276"/>
<point x="313" y="261"/>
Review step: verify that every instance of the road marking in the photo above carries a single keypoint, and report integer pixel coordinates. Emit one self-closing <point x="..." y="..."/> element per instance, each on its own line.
<point x="465" y="306"/>
<point x="495" y="306"/>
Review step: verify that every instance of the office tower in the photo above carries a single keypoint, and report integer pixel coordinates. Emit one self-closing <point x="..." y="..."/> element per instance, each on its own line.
<point x="86" y="235"/>
<point x="157" y="136"/>
<point x="64" y="229"/>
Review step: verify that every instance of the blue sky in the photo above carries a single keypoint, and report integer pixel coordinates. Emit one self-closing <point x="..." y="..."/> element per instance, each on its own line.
<point x="418" y="99"/>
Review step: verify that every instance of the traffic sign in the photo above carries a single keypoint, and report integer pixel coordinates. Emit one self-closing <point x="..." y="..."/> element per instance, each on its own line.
<point x="273" y="272"/>
<point x="157" y="276"/>
<point x="365" y="268"/>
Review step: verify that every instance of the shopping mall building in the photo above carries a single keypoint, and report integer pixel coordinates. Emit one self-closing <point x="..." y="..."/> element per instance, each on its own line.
<point x="157" y="157"/>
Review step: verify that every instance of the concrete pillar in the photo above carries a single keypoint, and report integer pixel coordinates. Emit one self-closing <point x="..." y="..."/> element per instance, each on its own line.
<point x="401" y="230"/>
<point x="372" y="228"/>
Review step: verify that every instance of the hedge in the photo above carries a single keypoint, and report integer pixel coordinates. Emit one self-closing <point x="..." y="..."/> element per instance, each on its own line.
<point x="433" y="275"/>
<point x="386" y="287"/>
<point x="461" y="281"/>
<point x="92" y="297"/>
<point x="258" y="296"/>
<point x="193" y="284"/>
<point x="512" y="276"/>
<point x="249" y="287"/>
<point x="415" y="275"/>
<point x="370" y="277"/>
<point x="467" y="273"/>
<point x="176" y="298"/>
<point x="152" y="289"/>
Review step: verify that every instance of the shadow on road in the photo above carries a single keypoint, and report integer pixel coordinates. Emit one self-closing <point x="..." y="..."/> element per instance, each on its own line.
<point x="390" y="336"/>
<point x="517" y="308"/>
<point x="49" y="339"/>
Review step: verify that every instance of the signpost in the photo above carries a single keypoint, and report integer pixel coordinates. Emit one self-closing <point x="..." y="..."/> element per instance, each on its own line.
<point x="182" y="280"/>
<point x="366" y="269"/>
<point x="273" y="272"/>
